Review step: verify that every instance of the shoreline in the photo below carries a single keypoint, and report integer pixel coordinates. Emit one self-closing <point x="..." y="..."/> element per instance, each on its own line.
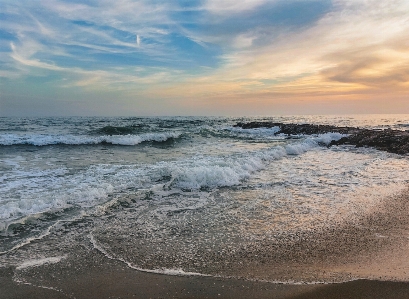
<point x="116" y="282"/>
<point x="88" y="273"/>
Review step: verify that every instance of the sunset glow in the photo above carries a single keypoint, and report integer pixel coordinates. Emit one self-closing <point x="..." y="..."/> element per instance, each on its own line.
<point x="203" y="57"/>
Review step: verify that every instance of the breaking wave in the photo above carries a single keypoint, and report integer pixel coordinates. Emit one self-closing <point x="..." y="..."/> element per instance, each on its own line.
<point x="61" y="189"/>
<point x="240" y="133"/>
<point x="117" y="130"/>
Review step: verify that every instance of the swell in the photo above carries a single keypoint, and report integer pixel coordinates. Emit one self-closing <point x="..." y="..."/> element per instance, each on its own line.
<point x="119" y="130"/>
<point x="262" y="134"/>
<point x="186" y="174"/>
<point x="44" y="140"/>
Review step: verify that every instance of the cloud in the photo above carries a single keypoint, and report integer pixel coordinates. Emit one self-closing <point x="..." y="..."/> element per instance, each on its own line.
<point x="32" y="62"/>
<point x="358" y="51"/>
<point x="210" y="49"/>
<point x="375" y="67"/>
<point x="138" y="40"/>
<point x="100" y="28"/>
<point x="232" y="6"/>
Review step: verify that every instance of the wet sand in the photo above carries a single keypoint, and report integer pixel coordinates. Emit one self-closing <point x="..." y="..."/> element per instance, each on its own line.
<point x="114" y="282"/>
<point x="376" y="247"/>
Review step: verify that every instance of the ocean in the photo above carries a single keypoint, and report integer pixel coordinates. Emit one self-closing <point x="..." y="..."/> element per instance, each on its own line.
<point x="195" y="196"/>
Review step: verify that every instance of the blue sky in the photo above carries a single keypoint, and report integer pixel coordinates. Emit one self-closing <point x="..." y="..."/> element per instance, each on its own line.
<point x="203" y="57"/>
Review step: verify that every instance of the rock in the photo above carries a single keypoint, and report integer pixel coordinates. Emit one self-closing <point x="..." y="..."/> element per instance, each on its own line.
<point x="393" y="141"/>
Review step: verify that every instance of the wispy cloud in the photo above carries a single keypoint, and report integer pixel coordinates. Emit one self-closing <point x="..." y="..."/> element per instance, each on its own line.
<point x="358" y="52"/>
<point x="210" y="49"/>
<point x="232" y="6"/>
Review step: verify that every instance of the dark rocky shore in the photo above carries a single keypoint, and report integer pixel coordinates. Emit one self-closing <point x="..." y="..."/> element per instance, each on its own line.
<point x="393" y="141"/>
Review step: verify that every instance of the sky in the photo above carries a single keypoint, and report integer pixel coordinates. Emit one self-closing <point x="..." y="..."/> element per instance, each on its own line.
<point x="203" y="57"/>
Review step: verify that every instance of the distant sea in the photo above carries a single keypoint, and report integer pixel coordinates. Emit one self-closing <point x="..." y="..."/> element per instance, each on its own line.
<point x="183" y="195"/>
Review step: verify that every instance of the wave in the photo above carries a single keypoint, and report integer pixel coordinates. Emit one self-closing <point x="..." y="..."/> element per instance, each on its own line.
<point x="59" y="188"/>
<point x="118" y="130"/>
<point x="43" y="139"/>
<point x="254" y="131"/>
<point x="224" y="172"/>
<point x="240" y="133"/>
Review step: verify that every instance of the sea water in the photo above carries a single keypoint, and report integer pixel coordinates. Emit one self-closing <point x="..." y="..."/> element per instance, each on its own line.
<point x="181" y="195"/>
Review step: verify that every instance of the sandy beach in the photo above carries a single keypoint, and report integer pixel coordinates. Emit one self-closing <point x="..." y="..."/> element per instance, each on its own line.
<point x="377" y="247"/>
<point x="117" y="282"/>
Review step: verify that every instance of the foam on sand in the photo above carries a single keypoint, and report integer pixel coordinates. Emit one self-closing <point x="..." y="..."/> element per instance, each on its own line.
<point x="40" y="262"/>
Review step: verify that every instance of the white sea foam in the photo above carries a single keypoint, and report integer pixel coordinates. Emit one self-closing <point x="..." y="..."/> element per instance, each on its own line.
<point x="221" y="172"/>
<point x="40" y="262"/>
<point x="36" y="191"/>
<point x="213" y="172"/>
<point x="175" y="272"/>
<point x="30" y="193"/>
<point x="31" y="239"/>
<point x="43" y="139"/>
<point x="312" y="142"/>
<point x="255" y="133"/>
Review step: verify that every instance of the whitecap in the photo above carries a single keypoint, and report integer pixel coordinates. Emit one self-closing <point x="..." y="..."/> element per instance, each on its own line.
<point x="44" y="139"/>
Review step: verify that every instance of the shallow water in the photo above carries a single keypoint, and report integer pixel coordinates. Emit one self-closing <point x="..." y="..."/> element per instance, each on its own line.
<point x="182" y="195"/>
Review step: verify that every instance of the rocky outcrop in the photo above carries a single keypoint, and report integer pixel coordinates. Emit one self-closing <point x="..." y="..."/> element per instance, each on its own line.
<point x="393" y="141"/>
<point x="295" y="129"/>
